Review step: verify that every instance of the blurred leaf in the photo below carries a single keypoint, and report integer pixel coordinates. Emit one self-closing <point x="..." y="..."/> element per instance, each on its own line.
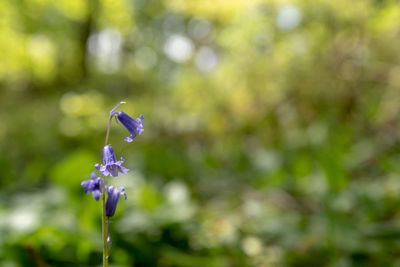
<point x="74" y="168"/>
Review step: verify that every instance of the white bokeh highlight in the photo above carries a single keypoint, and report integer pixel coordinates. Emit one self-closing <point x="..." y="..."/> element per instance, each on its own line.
<point x="178" y="48"/>
<point x="288" y="17"/>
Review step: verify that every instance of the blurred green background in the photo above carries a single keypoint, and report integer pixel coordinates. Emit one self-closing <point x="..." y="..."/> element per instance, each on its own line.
<point x="271" y="131"/>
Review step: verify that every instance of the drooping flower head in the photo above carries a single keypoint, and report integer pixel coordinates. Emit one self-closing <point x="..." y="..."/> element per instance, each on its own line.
<point x="135" y="127"/>
<point x="112" y="200"/>
<point x="111" y="165"/>
<point x="93" y="186"/>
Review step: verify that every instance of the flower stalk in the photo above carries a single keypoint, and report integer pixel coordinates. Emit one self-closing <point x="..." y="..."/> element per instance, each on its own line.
<point x="98" y="185"/>
<point x="103" y="224"/>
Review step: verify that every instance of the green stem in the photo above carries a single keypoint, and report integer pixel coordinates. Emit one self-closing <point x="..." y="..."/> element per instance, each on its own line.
<point x="108" y="130"/>
<point x="103" y="204"/>
<point x="103" y="224"/>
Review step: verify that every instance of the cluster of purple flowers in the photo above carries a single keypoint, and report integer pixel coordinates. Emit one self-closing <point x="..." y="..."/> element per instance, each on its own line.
<point x="111" y="167"/>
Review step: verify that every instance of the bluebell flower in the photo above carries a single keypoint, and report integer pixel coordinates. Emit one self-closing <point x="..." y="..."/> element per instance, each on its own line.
<point x="93" y="186"/>
<point x="135" y="127"/>
<point x="111" y="165"/>
<point x="112" y="200"/>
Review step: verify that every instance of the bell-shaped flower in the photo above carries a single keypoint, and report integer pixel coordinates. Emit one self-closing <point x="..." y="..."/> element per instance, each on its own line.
<point x="112" y="200"/>
<point x="93" y="186"/>
<point x="111" y="165"/>
<point x="135" y="127"/>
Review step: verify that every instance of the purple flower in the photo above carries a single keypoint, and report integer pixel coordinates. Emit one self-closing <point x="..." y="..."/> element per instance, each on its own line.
<point x="112" y="200"/>
<point x="135" y="127"/>
<point x="111" y="165"/>
<point x="93" y="186"/>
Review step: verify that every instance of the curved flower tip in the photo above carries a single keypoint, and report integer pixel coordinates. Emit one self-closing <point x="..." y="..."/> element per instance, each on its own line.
<point x="112" y="200"/>
<point x="112" y="112"/>
<point x="135" y="127"/>
<point x="111" y="165"/>
<point x="93" y="186"/>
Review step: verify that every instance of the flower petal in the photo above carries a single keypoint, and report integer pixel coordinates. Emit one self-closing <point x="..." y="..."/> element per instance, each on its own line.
<point x="113" y="170"/>
<point x="105" y="171"/>
<point x="94" y="175"/>
<point x="96" y="195"/>
<point x="108" y="155"/>
<point x="112" y="200"/>
<point x="129" y="138"/>
<point x="142" y="119"/>
<point x="123" y="169"/>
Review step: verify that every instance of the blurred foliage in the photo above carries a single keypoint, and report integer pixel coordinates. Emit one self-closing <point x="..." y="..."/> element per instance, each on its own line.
<point x="271" y="134"/>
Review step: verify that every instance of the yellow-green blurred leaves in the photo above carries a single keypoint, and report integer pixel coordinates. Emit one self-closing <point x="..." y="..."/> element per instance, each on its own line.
<point x="386" y="21"/>
<point x="12" y="41"/>
<point x="74" y="10"/>
<point x="75" y="105"/>
<point x="148" y="197"/>
<point x="42" y="55"/>
<point x="81" y="109"/>
<point x="223" y="10"/>
<point x="117" y="14"/>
